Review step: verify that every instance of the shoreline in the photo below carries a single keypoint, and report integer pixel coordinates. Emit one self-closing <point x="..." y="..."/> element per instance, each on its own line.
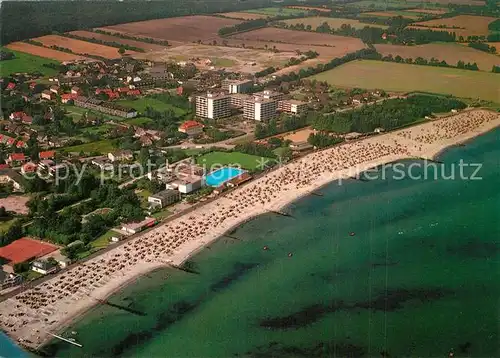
<point x="401" y="144"/>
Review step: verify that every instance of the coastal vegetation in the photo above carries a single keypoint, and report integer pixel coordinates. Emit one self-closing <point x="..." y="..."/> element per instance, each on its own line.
<point x="388" y="114"/>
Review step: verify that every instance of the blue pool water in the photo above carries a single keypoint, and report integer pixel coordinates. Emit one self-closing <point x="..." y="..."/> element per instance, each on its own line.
<point x="222" y="175"/>
<point x="8" y="349"/>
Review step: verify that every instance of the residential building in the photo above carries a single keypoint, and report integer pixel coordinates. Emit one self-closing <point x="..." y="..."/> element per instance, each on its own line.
<point x="46" y="94"/>
<point x="49" y="154"/>
<point x="213" y="106"/>
<point x="16" y="158"/>
<point x="121" y="155"/>
<point x="16" y="116"/>
<point x="76" y="91"/>
<point x="105" y="107"/>
<point x="260" y="109"/>
<point x="11" y="176"/>
<point x="237" y="86"/>
<point x="135" y="227"/>
<point x="237" y="100"/>
<point x="273" y="95"/>
<point x="164" y="198"/>
<point x="191" y="128"/>
<point x="186" y="183"/>
<point x="43" y="267"/>
<point x="292" y="106"/>
<point x="29" y="167"/>
<point x="54" y="89"/>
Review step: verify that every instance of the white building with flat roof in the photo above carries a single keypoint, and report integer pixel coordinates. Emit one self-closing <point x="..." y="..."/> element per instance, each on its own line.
<point x="292" y="106"/>
<point x="237" y="86"/>
<point x="213" y="106"/>
<point x="260" y="109"/>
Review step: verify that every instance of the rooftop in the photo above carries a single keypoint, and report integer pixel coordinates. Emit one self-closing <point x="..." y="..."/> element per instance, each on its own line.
<point x="25" y="249"/>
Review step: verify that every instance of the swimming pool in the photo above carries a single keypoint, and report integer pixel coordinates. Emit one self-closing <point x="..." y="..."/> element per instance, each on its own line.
<point x="222" y="175"/>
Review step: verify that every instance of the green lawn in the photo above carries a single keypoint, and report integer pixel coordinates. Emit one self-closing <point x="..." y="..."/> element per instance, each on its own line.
<point x="381" y="5"/>
<point x="77" y="113"/>
<point x="140" y="105"/>
<point x="102" y="146"/>
<point x="143" y="196"/>
<point x="162" y="214"/>
<point x="398" y="77"/>
<point x="5" y="225"/>
<point x="138" y="121"/>
<point x="26" y="63"/>
<point x="102" y="241"/>
<point x="101" y="129"/>
<point x="275" y="11"/>
<point x="246" y="161"/>
<point x="31" y="275"/>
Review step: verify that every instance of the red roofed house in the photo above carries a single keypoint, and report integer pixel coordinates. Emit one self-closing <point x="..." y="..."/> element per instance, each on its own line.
<point x="49" y="154"/>
<point x="47" y="95"/>
<point x="180" y="90"/>
<point x="11" y="86"/>
<point x="17" y="158"/>
<point x="21" y="144"/>
<point x="17" y="115"/>
<point x="29" y="167"/>
<point x="67" y="97"/>
<point x="11" y="141"/>
<point x="4" y="166"/>
<point x="134" y="92"/>
<point x="27" y="119"/>
<point x="191" y="128"/>
<point x="123" y="89"/>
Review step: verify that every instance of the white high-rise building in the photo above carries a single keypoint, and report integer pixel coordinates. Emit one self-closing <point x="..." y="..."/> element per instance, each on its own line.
<point x="213" y="106"/>
<point x="260" y="109"/>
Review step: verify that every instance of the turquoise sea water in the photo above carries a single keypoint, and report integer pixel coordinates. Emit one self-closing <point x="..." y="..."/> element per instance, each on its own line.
<point x="8" y="349"/>
<point x="418" y="276"/>
<point x="219" y="177"/>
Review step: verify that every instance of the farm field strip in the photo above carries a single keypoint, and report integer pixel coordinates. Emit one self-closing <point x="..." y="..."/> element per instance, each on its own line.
<point x="181" y="29"/>
<point x="45" y="52"/>
<point x="405" y="14"/>
<point x="275" y="35"/>
<point x="428" y="11"/>
<point x="333" y="22"/>
<point x="243" y="15"/>
<point x="109" y="38"/>
<point x="81" y="47"/>
<point x="24" y="62"/>
<point x="275" y="11"/>
<point x="407" y="78"/>
<point x="467" y="25"/>
<point x="451" y="53"/>
<point x="309" y="8"/>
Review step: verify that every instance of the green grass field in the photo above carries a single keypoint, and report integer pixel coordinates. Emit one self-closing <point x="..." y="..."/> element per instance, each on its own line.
<point x="26" y="63"/>
<point x="103" y="241"/>
<point x="141" y="104"/>
<point x="398" y="77"/>
<point x="138" y="121"/>
<point x="77" y="112"/>
<point x="245" y="161"/>
<point x="334" y="23"/>
<point x="275" y="11"/>
<point x="381" y="5"/>
<point x="102" y="146"/>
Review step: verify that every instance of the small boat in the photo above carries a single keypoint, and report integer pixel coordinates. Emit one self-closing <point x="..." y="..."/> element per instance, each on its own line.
<point x="352" y="234"/>
<point x="266" y="248"/>
<point x="290" y="254"/>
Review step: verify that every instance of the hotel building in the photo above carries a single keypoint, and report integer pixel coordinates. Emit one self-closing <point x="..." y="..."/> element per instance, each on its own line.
<point x="260" y="109"/>
<point x="213" y="106"/>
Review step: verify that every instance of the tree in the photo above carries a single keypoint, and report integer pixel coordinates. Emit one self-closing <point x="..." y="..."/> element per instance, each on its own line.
<point x="121" y="50"/>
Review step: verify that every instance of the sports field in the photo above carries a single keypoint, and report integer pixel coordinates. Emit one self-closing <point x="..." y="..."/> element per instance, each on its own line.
<point x="334" y="23"/>
<point x="142" y="103"/>
<point x="246" y="161"/>
<point x="24" y="62"/>
<point x="397" y="77"/>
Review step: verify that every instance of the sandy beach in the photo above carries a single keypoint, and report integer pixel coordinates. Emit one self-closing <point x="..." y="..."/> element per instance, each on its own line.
<point x="52" y="305"/>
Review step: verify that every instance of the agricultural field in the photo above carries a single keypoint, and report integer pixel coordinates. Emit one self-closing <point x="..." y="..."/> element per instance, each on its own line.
<point x="49" y="53"/>
<point x="407" y="78"/>
<point x="142" y="103"/>
<point x="139" y="44"/>
<point x="309" y="8"/>
<point x="214" y="159"/>
<point x="334" y="23"/>
<point x="428" y="11"/>
<point x="462" y="25"/>
<point x="380" y="5"/>
<point x="178" y="29"/>
<point x="24" y="62"/>
<point x="237" y="59"/>
<point x="81" y="47"/>
<point x="243" y="15"/>
<point x="451" y="53"/>
<point x="405" y="14"/>
<point x="277" y="11"/>
<point x="274" y="35"/>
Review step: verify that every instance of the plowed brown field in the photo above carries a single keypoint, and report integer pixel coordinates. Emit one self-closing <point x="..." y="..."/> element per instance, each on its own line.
<point x="243" y="15"/>
<point x="102" y="37"/>
<point x="44" y="52"/>
<point x="81" y="47"/>
<point x="467" y="25"/>
<point x="182" y="29"/>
